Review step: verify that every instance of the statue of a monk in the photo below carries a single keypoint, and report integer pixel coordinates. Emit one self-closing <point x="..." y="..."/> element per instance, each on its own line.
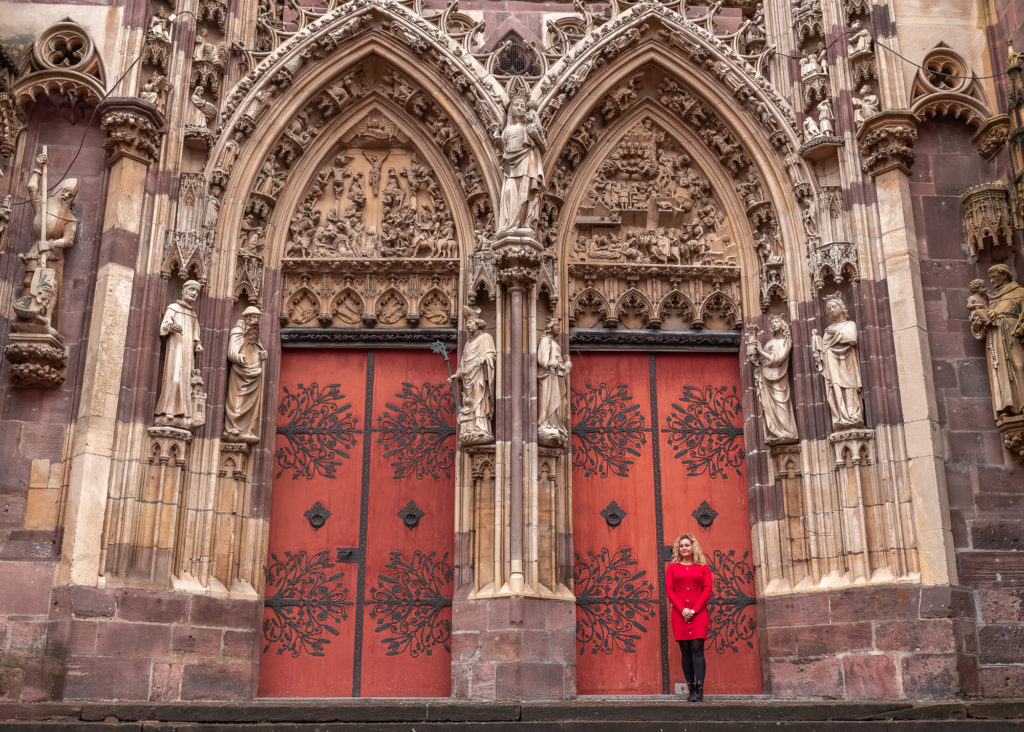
<point x="243" y="408"/>
<point x="180" y="325"/>
<point x="552" y="428"/>
<point x="476" y="373"/>
<point x="523" y="145"/>
<point x="1001" y="325"/>
<point x="836" y="357"/>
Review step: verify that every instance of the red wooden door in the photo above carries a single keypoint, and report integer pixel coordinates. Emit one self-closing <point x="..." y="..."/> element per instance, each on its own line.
<point x="657" y="450"/>
<point x="359" y="567"/>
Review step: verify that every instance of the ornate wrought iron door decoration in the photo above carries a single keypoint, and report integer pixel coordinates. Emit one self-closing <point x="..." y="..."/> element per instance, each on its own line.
<point x="320" y="431"/>
<point x="613" y="514"/>
<point x="409" y="603"/>
<point x="307" y="602"/>
<point x="607" y="428"/>
<point x="730" y="625"/>
<point x="614" y="600"/>
<point x="410" y="514"/>
<point x="416" y="430"/>
<point x="705" y="428"/>
<point x="704" y="514"/>
<point x="317" y="515"/>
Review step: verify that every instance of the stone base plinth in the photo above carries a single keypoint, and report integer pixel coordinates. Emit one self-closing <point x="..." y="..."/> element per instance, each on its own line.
<point x="513" y="649"/>
<point x="37" y="359"/>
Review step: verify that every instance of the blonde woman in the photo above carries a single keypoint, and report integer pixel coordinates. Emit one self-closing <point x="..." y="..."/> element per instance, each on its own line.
<point x="688" y="582"/>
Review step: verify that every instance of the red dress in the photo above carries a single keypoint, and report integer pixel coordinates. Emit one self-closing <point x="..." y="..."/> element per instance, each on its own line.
<point x="688" y="586"/>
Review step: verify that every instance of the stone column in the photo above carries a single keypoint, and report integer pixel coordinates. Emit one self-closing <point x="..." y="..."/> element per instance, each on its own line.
<point x="133" y="144"/>
<point x="514" y="635"/>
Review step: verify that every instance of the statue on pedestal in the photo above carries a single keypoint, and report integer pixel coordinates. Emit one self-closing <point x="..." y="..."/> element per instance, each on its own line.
<point x="243" y="407"/>
<point x="836" y="358"/>
<point x="476" y="373"/>
<point x="552" y="367"/>
<point x="770" y="364"/>
<point x="182" y="382"/>
<point x="1000" y="322"/>
<point x="523" y="144"/>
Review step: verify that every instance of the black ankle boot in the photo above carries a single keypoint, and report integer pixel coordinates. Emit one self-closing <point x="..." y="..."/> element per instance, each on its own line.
<point x="698" y="691"/>
<point x="693" y="691"/>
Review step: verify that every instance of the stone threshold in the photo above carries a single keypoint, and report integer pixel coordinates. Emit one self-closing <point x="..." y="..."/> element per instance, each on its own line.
<point x="585" y="713"/>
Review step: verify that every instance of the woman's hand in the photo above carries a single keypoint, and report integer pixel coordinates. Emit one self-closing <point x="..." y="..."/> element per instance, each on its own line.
<point x="688" y="614"/>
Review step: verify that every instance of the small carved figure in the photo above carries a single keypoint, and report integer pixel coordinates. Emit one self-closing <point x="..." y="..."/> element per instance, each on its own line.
<point x="154" y="90"/>
<point x="243" y="408"/>
<point x="864" y="106"/>
<point x="808" y="65"/>
<point x="826" y="118"/>
<point x="1000" y="322"/>
<point x="204" y="112"/>
<point x="55" y="228"/>
<point x="199" y="44"/>
<point x="770" y="364"/>
<point x="978" y="300"/>
<point x="160" y="27"/>
<point x="523" y="144"/>
<point x="811" y="129"/>
<point x="180" y="325"/>
<point x="552" y="367"/>
<point x="836" y="358"/>
<point x="476" y="373"/>
<point x="859" y="41"/>
<point x="750" y="189"/>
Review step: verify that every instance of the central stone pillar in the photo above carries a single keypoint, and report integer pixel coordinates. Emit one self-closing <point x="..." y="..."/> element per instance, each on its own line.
<point x="514" y="615"/>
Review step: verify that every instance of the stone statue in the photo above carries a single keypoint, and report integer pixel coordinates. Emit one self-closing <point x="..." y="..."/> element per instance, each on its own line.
<point x="476" y="372"/>
<point x="180" y="325"/>
<point x="154" y="90"/>
<point x="808" y="65"/>
<point x="523" y="144"/>
<point x="243" y="407"/>
<point x="160" y="27"/>
<point x="810" y="128"/>
<point x="864" y="106"/>
<point x="1000" y="322"/>
<point x="826" y="118"/>
<point x="859" y="41"/>
<point x="552" y="427"/>
<point x="770" y="364"/>
<point x="836" y="358"/>
<point x="55" y="228"/>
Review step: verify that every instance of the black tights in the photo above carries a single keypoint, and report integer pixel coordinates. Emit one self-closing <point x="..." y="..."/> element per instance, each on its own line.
<point x="694" y="665"/>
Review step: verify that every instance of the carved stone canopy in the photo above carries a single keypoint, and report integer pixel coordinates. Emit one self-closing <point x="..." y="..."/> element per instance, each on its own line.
<point x="987" y="215"/>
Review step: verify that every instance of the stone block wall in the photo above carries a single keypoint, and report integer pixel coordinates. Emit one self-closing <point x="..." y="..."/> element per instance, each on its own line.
<point x="985" y="483"/>
<point x="882" y="642"/>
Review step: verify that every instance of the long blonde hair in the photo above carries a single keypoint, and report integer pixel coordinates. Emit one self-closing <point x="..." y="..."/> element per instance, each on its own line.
<point x="698" y="553"/>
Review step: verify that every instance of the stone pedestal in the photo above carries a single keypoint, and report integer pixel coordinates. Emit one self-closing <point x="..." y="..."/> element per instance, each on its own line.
<point x="37" y="359"/>
<point x="513" y="649"/>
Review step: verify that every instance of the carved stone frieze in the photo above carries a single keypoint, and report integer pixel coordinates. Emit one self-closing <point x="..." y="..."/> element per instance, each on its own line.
<point x="886" y="142"/>
<point x="133" y="129"/>
<point x="987" y="215"/>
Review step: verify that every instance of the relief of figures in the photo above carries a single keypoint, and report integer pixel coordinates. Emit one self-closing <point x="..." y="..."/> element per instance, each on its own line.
<point x="552" y="368"/>
<point x="374" y="199"/>
<point x="770" y="363"/>
<point x="998" y="319"/>
<point x="178" y="405"/>
<point x="523" y="145"/>
<point x="243" y="407"/>
<point x="837" y="358"/>
<point x="54" y="229"/>
<point x="476" y="374"/>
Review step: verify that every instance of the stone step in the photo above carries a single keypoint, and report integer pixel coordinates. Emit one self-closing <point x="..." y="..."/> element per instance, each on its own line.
<point x="659" y="714"/>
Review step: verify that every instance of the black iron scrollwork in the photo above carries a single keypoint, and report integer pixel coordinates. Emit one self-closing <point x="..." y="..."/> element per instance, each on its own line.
<point x="615" y="601"/>
<point x="415" y="431"/>
<point x="320" y="431"/>
<point x="607" y="428"/>
<point x="409" y="603"/>
<point x="317" y="515"/>
<point x="613" y="514"/>
<point x="705" y="428"/>
<point x="704" y="514"/>
<point x="730" y="625"/>
<point x="307" y="600"/>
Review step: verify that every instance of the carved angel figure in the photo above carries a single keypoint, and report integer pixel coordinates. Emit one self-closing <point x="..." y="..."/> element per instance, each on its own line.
<point x="836" y="358"/>
<point x="476" y="374"/>
<point x="1000" y="322"/>
<point x="770" y="364"/>
<point x="552" y="367"/>
<point x="523" y="145"/>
